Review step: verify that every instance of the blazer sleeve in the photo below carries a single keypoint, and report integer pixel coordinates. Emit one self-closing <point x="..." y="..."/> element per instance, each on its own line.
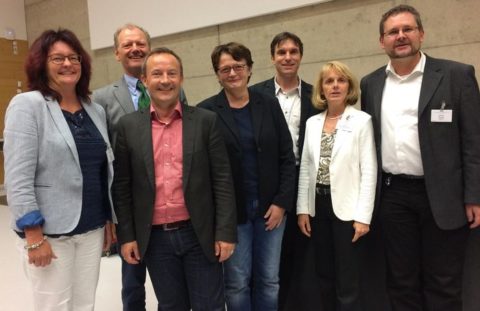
<point x="121" y="189"/>
<point x="470" y="135"/>
<point x="20" y="148"/>
<point x="368" y="174"/>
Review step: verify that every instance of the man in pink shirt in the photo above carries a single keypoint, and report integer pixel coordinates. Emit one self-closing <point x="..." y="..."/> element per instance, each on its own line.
<point x="173" y="192"/>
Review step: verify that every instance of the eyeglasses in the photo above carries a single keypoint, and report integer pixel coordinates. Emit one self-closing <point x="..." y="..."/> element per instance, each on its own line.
<point x="393" y="33"/>
<point x="58" y="59"/>
<point x="227" y="69"/>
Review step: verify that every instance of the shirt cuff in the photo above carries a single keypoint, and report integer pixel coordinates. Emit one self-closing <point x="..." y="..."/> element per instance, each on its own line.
<point x="31" y="219"/>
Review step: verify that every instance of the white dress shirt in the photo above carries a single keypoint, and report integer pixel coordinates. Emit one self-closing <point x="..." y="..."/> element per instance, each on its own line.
<point x="290" y="102"/>
<point x="399" y="121"/>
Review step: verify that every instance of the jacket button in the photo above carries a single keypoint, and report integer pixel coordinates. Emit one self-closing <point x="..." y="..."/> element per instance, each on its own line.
<point x="259" y="149"/>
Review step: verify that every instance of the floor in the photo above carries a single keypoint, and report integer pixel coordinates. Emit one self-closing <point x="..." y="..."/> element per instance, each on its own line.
<point x="15" y="294"/>
<point x="14" y="287"/>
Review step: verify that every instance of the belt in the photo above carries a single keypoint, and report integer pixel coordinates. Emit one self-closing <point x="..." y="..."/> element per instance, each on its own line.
<point x="172" y="225"/>
<point x="322" y="190"/>
<point x="388" y="178"/>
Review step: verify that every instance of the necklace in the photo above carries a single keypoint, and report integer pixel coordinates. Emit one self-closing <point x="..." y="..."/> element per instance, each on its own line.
<point x="335" y="117"/>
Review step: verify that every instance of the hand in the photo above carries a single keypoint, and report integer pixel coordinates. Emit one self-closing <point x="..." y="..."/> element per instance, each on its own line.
<point x="130" y="252"/>
<point x="223" y="250"/>
<point x="108" y="239"/>
<point x="303" y="221"/>
<point x="43" y="255"/>
<point x="360" y="230"/>
<point x="274" y="217"/>
<point x="473" y="215"/>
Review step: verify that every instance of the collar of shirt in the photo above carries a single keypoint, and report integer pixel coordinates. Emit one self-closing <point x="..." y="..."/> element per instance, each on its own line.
<point x="298" y="89"/>
<point x="132" y="84"/>
<point x="418" y="70"/>
<point x="176" y="114"/>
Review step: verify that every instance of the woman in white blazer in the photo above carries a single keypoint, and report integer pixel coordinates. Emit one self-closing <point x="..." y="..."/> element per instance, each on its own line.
<point x="58" y="172"/>
<point x="337" y="182"/>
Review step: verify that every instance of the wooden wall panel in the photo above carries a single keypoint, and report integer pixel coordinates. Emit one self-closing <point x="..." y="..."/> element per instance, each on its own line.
<point x="11" y="72"/>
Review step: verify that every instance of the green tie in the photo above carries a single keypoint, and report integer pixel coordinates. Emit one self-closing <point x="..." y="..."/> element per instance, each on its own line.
<point x="143" y="99"/>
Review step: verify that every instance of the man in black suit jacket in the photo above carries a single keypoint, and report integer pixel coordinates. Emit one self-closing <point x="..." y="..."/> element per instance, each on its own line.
<point x="426" y="114"/>
<point x="297" y="272"/>
<point x="174" y="196"/>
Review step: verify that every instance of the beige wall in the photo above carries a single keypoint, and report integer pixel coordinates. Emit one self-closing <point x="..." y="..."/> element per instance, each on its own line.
<point x="345" y="30"/>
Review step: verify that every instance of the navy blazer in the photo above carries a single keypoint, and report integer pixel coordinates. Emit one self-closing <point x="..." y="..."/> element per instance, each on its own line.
<point x="450" y="151"/>
<point x="306" y="110"/>
<point x="276" y="162"/>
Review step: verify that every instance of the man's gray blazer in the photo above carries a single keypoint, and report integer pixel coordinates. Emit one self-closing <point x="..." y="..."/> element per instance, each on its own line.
<point x="115" y="98"/>
<point x="450" y="150"/>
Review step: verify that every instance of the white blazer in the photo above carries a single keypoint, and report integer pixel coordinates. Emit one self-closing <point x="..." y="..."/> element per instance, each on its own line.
<point x="353" y="167"/>
<point x="42" y="168"/>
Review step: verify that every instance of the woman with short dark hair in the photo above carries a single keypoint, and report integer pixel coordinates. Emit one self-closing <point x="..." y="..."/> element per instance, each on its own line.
<point x="259" y="146"/>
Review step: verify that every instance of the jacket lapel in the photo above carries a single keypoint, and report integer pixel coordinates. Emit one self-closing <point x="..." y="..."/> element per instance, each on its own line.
<point x="344" y="129"/>
<point x="257" y="111"/>
<point x="430" y="82"/>
<point x="122" y="94"/>
<point x="316" y="139"/>
<point x="188" y="142"/>
<point x="222" y="108"/>
<point x="62" y="126"/>
<point x="306" y="103"/>
<point x="145" y="143"/>
<point x="377" y="86"/>
<point x="93" y="114"/>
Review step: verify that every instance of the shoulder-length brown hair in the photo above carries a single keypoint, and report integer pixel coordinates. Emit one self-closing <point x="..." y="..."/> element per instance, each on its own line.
<point x="36" y="63"/>
<point x="318" y="98"/>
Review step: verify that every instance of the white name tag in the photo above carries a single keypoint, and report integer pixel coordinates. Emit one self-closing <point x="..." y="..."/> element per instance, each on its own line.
<point x="443" y="115"/>
<point x="344" y="127"/>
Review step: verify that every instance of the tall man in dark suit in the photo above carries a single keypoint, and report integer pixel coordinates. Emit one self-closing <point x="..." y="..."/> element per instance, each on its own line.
<point x="173" y="191"/>
<point x="294" y="95"/>
<point x="426" y="114"/>
<point x="131" y="46"/>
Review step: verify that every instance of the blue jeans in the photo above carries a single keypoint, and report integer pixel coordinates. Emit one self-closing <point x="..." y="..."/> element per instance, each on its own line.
<point x="257" y="257"/>
<point x="133" y="286"/>
<point x="181" y="274"/>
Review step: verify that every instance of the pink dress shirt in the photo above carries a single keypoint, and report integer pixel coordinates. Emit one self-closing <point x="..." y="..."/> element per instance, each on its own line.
<point x="168" y="156"/>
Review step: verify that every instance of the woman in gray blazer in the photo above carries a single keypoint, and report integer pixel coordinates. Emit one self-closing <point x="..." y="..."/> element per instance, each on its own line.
<point x="336" y="191"/>
<point x="58" y="171"/>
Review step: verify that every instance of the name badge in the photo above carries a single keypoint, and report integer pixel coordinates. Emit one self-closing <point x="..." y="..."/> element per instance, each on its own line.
<point x="442" y="115"/>
<point x="345" y="125"/>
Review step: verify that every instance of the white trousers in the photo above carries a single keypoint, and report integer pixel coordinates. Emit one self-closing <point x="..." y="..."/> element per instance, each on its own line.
<point x="70" y="281"/>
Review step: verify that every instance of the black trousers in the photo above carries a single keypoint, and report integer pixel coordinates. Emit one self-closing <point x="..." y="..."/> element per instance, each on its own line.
<point x="338" y="259"/>
<point x="299" y="283"/>
<point x="424" y="262"/>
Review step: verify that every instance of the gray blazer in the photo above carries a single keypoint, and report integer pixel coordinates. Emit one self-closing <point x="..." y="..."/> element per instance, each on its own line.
<point x="115" y="98"/>
<point x="450" y="150"/>
<point x="42" y="168"/>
